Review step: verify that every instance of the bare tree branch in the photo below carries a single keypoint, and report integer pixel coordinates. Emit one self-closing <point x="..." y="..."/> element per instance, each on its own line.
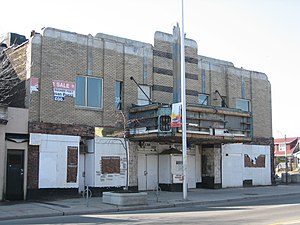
<point x="9" y="80"/>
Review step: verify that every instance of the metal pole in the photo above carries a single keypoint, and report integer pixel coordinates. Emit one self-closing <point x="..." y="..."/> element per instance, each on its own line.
<point x="126" y="150"/>
<point x="286" y="163"/>
<point x="131" y="78"/>
<point x="87" y="196"/>
<point x="183" y="107"/>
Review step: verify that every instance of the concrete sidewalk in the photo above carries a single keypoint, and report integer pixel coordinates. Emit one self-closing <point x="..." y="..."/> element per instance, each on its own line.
<point x="76" y="206"/>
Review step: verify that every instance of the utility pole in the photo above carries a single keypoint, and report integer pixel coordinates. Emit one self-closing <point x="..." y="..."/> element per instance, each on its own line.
<point x="286" y="162"/>
<point x="285" y="158"/>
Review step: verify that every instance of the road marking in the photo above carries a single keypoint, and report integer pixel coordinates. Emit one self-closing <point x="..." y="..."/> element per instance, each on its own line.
<point x="287" y="222"/>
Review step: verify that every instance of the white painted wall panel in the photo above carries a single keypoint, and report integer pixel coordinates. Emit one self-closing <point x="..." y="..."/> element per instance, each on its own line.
<point x="141" y="170"/>
<point x="90" y="170"/>
<point x="147" y="171"/>
<point x="90" y="164"/>
<point x="191" y="173"/>
<point x="234" y="171"/>
<point x="152" y="169"/>
<point x="232" y="166"/>
<point x="48" y="180"/>
<point x="165" y="176"/>
<point x="104" y="147"/>
<point x="53" y="159"/>
<point x="81" y="173"/>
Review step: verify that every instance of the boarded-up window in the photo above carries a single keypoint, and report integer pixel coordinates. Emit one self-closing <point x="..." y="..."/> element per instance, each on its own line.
<point x="72" y="164"/>
<point x="256" y="162"/>
<point x="110" y="164"/>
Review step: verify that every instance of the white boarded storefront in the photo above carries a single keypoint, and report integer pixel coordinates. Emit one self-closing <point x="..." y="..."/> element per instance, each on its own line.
<point x="244" y="165"/>
<point x="58" y="160"/>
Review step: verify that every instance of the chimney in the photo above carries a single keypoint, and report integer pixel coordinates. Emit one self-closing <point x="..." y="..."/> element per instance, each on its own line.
<point x="32" y="33"/>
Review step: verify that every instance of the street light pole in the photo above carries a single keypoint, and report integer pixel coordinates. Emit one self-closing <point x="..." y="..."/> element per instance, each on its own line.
<point x="183" y="107"/>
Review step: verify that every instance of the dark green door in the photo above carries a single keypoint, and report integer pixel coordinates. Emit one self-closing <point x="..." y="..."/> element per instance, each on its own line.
<point x="15" y="175"/>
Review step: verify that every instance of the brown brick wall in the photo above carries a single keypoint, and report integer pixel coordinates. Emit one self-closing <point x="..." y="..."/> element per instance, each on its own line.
<point x="63" y="58"/>
<point x="261" y="108"/>
<point x="221" y="76"/>
<point x="35" y="71"/>
<point x="33" y="167"/>
<point x="61" y="129"/>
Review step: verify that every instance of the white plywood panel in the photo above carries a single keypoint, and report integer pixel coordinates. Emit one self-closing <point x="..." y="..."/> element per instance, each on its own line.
<point x="191" y="171"/>
<point x="152" y="169"/>
<point x="47" y="170"/>
<point x="141" y="172"/>
<point x="234" y="172"/>
<point x="53" y="159"/>
<point x="110" y="147"/>
<point x="90" y="171"/>
<point x="147" y="171"/>
<point x="81" y="173"/>
<point x="165" y="176"/>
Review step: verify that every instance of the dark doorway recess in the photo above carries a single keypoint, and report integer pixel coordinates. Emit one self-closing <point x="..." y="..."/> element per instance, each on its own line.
<point x="15" y="175"/>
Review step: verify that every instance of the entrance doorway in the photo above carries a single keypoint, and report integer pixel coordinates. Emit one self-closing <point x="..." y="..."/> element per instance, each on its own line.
<point x="15" y="175"/>
<point x="147" y="171"/>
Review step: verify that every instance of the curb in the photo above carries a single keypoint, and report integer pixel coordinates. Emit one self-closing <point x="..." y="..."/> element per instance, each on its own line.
<point x="14" y="217"/>
<point x="153" y="205"/>
<point x="146" y="207"/>
<point x="202" y="203"/>
<point x="92" y="211"/>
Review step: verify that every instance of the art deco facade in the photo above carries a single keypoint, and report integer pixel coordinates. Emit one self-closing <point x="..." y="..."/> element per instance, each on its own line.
<point x="85" y="86"/>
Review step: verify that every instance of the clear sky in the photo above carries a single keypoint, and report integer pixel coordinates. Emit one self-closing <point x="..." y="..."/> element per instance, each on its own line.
<point x="259" y="35"/>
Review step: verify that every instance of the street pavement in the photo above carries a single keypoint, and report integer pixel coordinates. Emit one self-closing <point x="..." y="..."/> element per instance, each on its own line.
<point x="78" y="206"/>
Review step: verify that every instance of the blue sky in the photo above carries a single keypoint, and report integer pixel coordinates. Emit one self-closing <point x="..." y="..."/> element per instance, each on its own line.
<point x="259" y="35"/>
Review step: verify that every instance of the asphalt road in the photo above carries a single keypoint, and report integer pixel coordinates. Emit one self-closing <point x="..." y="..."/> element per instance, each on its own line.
<point x="272" y="211"/>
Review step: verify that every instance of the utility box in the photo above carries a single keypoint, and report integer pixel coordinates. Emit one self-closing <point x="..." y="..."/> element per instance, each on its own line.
<point x="170" y="172"/>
